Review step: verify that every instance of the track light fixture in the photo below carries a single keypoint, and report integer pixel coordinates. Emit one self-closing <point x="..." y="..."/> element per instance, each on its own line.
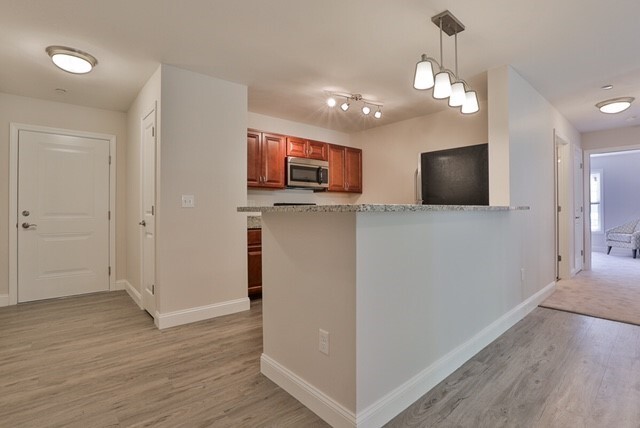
<point x="355" y="98"/>
<point x="445" y="83"/>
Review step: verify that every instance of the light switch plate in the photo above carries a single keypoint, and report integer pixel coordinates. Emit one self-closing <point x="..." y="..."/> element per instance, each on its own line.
<point x="188" y="201"/>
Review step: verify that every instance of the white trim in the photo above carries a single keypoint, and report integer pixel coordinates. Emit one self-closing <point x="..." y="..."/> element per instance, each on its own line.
<point x="200" y="313"/>
<point x="385" y="409"/>
<point x="406" y="394"/>
<point x="14" y="129"/>
<point x="4" y="300"/>
<point x="318" y="402"/>
<point x="131" y="291"/>
<point x="120" y="285"/>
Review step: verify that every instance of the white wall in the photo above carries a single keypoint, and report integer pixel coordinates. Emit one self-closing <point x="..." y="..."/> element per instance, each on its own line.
<point x="611" y="139"/>
<point x="33" y="111"/>
<point x="532" y="120"/>
<point x="390" y="153"/>
<point x="201" y="252"/>
<point x="295" y="129"/>
<point x="147" y="98"/>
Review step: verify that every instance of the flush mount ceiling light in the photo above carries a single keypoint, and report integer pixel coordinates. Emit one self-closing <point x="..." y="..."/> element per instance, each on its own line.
<point x="445" y="83"/>
<point x="71" y="60"/>
<point x="615" y="105"/>
<point x="355" y="98"/>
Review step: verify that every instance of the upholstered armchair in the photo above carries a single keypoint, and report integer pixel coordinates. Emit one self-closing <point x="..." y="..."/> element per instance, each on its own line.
<point x="624" y="236"/>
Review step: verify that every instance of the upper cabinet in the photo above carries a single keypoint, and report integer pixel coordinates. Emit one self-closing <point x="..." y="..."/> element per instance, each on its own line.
<point x="302" y="148"/>
<point x="266" y="153"/>
<point x="265" y="160"/>
<point x="345" y="169"/>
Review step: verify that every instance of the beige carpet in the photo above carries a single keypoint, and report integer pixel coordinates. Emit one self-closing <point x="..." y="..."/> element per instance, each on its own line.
<point x="611" y="290"/>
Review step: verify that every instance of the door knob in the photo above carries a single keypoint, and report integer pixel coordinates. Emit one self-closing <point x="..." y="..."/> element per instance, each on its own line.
<point x="26" y="225"/>
<point x="143" y="223"/>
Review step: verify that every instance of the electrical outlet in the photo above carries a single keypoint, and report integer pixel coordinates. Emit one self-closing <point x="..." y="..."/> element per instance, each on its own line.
<point x="323" y="341"/>
<point x="188" y="201"/>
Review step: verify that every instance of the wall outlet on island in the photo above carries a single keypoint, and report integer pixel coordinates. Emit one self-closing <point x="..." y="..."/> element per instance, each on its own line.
<point x="323" y="342"/>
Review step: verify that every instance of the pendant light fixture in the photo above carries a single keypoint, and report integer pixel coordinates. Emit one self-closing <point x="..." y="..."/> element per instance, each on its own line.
<point x="355" y="98"/>
<point x="444" y="87"/>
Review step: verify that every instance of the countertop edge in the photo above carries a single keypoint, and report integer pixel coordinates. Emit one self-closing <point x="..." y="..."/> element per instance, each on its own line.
<point x="377" y="208"/>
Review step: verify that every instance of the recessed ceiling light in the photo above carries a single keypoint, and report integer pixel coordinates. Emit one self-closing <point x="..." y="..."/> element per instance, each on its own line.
<point x="615" y="105"/>
<point x="607" y="87"/>
<point x="71" y="60"/>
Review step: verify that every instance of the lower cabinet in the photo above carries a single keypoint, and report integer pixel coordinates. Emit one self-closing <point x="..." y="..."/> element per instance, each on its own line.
<point x="254" y="262"/>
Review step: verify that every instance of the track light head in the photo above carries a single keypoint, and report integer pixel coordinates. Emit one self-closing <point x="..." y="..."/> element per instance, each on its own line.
<point x="366" y="109"/>
<point x="377" y="114"/>
<point x="345" y="106"/>
<point x="331" y="102"/>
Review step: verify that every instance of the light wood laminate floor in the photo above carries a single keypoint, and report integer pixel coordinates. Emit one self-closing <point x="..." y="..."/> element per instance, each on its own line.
<point x="98" y="361"/>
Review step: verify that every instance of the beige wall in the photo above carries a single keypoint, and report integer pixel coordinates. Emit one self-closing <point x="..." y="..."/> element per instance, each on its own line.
<point x="390" y="153"/>
<point x="531" y="124"/>
<point x="201" y="255"/>
<point x="611" y="138"/>
<point x="147" y="98"/>
<point x="59" y="115"/>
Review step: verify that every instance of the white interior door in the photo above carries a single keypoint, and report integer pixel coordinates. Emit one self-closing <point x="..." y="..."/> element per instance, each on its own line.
<point x="148" y="222"/>
<point x="63" y="215"/>
<point x="578" y="208"/>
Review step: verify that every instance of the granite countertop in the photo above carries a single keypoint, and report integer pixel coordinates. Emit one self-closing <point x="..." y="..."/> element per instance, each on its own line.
<point x="386" y="208"/>
<point x="254" y="222"/>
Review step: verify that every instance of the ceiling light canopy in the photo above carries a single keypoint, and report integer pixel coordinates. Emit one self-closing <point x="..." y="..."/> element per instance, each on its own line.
<point x="71" y="60"/>
<point x="446" y="84"/>
<point x="355" y="98"/>
<point x="615" y="105"/>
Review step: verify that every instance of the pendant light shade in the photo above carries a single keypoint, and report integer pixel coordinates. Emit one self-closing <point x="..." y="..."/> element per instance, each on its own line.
<point x="442" y="87"/>
<point x="458" y="94"/>
<point x="423" y="78"/>
<point x="470" y="104"/>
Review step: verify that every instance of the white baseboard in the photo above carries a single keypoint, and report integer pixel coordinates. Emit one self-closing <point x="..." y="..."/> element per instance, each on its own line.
<point x="314" y="399"/>
<point x="4" y="300"/>
<point x="132" y="292"/>
<point x="383" y="410"/>
<point x="120" y="284"/>
<point x="406" y="394"/>
<point x="200" y="313"/>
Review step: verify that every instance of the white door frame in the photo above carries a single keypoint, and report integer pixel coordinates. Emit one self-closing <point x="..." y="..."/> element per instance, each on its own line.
<point x="587" y="194"/>
<point x="14" y="129"/>
<point x="562" y="178"/>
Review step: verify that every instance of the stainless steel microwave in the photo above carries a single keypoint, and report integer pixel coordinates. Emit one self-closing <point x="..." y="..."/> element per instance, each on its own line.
<point x="307" y="173"/>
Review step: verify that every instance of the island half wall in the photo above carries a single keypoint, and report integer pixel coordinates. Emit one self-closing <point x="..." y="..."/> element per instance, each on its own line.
<point x="407" y="294"/>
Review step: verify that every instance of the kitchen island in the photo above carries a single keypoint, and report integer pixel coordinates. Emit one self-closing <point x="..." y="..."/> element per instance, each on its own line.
<point x="405" y="294"/>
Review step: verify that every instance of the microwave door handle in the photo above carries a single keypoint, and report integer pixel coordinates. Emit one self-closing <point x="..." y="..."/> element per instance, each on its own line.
<point x="319" y="175"/>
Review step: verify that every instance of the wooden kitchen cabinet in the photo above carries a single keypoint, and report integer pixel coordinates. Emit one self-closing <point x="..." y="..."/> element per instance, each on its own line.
<point x="299" y="147"/>
<point x="345" y="169"/>
<point x="254" y="262"/>
<point x="265" y="160"/>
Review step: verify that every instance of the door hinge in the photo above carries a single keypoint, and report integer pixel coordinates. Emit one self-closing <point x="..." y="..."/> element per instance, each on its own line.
<point x="153" y="210"/>
<point x="109" y="270"/>
<point x="109" y="215"/>
<point x="580" y="209"/>
<point x="153" y="289"/>
<point x="582" y="252"/>
<point x="109" y="159"/>
<point x="580" y="165"/>
<point x="559" y="208"/>
<point x="559" y="258"/>
<point x="153" y="131"/>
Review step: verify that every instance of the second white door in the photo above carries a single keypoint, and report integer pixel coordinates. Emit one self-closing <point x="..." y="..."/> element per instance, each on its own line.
<point x="148" y="222"/>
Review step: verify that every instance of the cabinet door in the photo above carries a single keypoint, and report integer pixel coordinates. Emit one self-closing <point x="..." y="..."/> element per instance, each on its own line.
<point x="317" y="150"/>
<point x="336" y="169"/>
<point x="353" y="170"/>
<point x="296" y="147"/>
<point x="273" y="154"/>
<point x="254" y="262"/>
<point x="254" y="164"/>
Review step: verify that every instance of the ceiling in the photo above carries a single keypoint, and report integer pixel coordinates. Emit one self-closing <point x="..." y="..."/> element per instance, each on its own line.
<point x="291" y="52"/>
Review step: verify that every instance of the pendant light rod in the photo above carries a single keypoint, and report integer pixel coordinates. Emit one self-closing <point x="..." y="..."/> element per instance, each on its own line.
<point x="456" y="43"/>
<point x="441" y="60"/>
